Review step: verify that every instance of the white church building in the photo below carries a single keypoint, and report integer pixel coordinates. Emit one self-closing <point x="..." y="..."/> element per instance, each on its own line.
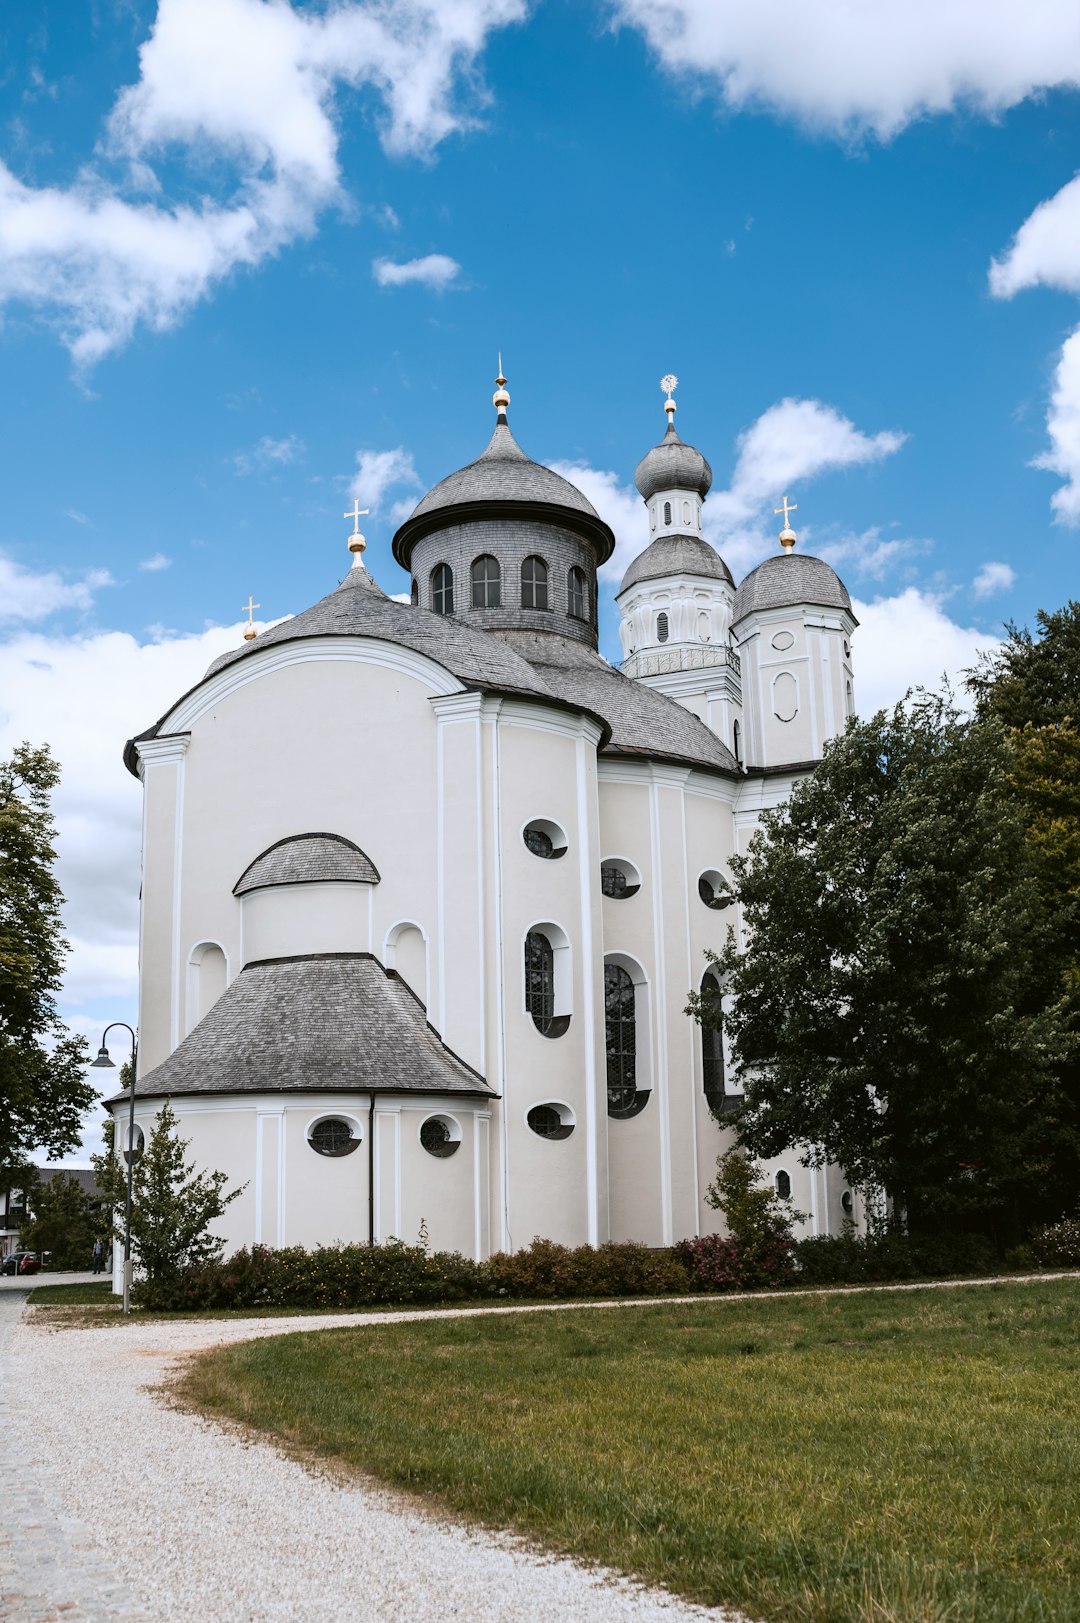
<point x="425" y="886"/>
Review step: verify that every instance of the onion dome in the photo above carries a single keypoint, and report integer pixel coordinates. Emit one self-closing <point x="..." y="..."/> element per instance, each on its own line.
<point x="787" y="579"/>
<point x="672" y="465"/>
<point x="676" y="555"/>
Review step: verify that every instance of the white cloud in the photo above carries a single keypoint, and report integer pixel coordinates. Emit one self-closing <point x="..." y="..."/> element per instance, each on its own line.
<point x="156" y="562"/>
<point x="96" y="259"/>
<point x="909" y="641"/>
<point x="434" y="270"/>
<point x="270" y="453"/>
<point x="787" y="446"/>
<point x="1046" y="252"/>
<point x="26" y="595"/>
<point x="77" y="517"/>
<point x="379" y="471"/>
<point x="865" y="67"/>
<point x="993" y="577"/>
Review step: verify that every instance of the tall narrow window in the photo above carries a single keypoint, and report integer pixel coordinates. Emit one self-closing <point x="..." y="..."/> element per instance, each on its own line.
<point x="442" y="589"/>
<point x="736" y="739"/>
<point x="486" y="582"/>
<point x="667" y="512"/>
<point x="712" y="1049"/>
<point x="414" y="595"/>
<point x="539" y="980"/>
<point x="534" y="584"/>
<point x="576" y="604"/>
<point x="661" y="627"/>
<point x="621" y="1030"/>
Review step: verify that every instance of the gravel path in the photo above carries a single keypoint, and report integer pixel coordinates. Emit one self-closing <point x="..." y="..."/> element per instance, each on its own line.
<point x="160" y="1516"/>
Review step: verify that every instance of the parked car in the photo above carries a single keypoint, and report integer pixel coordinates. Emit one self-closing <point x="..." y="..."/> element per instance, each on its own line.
<point x="20" y="1262"/>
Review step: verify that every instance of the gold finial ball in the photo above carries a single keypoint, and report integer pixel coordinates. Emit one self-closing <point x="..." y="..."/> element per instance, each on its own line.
<point x="787" y="538"/>
<point x="357" y="542"/>
<point x="500" y="399"/>
<point x="250" y="633"/>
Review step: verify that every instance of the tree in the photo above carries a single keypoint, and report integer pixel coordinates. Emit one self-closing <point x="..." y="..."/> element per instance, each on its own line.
<point x="1032" y="680"/>
<point x="889" y="1010"/>
<point x="43" y="1091"/>
<point x="65" y="1221"/>
<point x="173" y="1206"/>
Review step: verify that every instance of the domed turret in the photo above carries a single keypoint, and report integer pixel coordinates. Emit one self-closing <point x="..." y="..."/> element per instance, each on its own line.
<point x="508" y="542"/>
<point x="672" y="465"/>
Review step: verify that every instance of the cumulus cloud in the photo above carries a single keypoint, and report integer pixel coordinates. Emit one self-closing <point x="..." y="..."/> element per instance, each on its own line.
<point x="855" y="69"/>
<point x="156" y="562"/>
<point x="1046" y="252"/>
<point x="909" y="641"/>
<point x="28" y="595"/>
<point x="269" y="453"/>
<point x="378" y="472"/>
<point x="993" y="577"/>
<point x="434" y="270"/>
<point x="105" y="255"/>
<point x="788" y="445"/>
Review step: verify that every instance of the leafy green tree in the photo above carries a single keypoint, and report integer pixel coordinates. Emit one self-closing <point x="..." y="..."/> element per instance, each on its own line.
<point x="889" y="1009"/>
<point x="65" y="1222"/>
<point x="1032" y="680"/>
<point x="43" y="1090"/>
<point x="173" y="1206"/>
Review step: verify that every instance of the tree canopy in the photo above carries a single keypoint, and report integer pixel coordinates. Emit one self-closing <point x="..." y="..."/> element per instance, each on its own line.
<point x="43" y="1090"/>
<point x="890" y="1004"/>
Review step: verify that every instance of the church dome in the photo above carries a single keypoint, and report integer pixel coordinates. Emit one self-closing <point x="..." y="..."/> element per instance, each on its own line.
<point x="308" y="859"/>
<point x="672" y="465"/>
<point x="676" y="555"/>
<point x="788" y="578"/>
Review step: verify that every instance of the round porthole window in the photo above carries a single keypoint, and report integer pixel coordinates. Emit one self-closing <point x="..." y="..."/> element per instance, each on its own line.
<point x="138" y="1144"/>
<point x="544" y="838"/>
<point x="440" y="1136"/>
<point x="714" y="889"/>
<point x="333" y="1136"/>
<point x="619" y="879"/>
<point x="551" y="1121"/>
<point x="847" y="1203"/>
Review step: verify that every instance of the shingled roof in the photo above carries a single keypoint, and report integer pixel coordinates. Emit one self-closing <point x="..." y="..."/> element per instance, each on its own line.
<point x="308" y="859"/>
<point x="328" y="1022"/>
<point x="788" y="578"/>
<point x="676" y="555"/>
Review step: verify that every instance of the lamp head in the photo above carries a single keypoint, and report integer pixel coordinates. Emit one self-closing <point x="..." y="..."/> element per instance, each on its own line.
<point x="103" y="1062"/>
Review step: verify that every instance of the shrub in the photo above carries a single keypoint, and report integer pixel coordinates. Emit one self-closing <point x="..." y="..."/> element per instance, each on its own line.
<point x="546" y="1271"/>
<point x="1059" y="1245"/>
<point x="723" y="1263"/>
<point x="888" y="1252"/>
<point x="759" y="1249"/>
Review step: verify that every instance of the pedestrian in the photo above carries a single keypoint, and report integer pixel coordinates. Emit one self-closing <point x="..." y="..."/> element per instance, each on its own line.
<point x="99" y="1255"/>
<point x="108" y="1258"/>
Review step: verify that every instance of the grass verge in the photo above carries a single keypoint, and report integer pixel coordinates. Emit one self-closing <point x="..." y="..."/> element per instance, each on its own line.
<point x="888" y="1458"/>
<point x="99" y="1293"/>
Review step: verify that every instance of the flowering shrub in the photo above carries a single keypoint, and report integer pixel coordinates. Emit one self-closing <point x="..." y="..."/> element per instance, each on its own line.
<point x="1059" y="1245"/>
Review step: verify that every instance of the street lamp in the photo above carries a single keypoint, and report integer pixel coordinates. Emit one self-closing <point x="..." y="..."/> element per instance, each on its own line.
<point x="105" y="1063"/>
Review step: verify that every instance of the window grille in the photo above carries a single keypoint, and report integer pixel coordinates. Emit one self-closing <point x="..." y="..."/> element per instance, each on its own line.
<point x="712" y="1048"/>
<point x="442" y="589"/>
<point x="486" y="583"/>
<point x="540" y="980"/>
<point x="667" y="512"/>
<point x="534" y="584"/>
<point x="612" y="881"/>
<point x="661" y="627"/>
<point x="547" y="1122"/>
<point x="331" y="1136"/>
<point x="621" y="1031"/>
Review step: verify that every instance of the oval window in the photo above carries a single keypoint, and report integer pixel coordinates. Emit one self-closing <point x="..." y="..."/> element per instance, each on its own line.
<point x="619" y="880"/>
<point x="783" y="639"/>
<point x="661" y="627"/>
<point x="714" y="890"/>
<point x="686" y="512"/>
<point x="667" y="512"/>
<point x="551" y="1121"/>
<point x="544" y="838"/>
<point x="333" y="1136"/>
<point x="137" y="1144"/>
<point x="440" y="1136"/>
<point x="783" y="1185"/>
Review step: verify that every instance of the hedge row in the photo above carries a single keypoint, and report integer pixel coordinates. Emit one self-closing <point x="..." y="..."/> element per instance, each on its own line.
<point x="358" y="1276"/>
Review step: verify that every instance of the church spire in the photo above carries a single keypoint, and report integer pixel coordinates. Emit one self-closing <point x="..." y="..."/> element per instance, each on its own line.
<point x="788" y="537"/>
<point x="357" y="542"/>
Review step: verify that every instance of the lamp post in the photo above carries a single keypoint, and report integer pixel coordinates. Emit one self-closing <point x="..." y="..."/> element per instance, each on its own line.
<point x="104" y="1062"/>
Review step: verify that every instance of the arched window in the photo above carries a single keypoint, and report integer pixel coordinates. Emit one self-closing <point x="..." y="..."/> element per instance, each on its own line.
<point x="667" y="512"/>
<point x="539" y="980"/>
<point x="414" y="595"/>
<point x="534" y="584"/>
<point x="621" y="1030"/>
<point x="712" y="1048"/>
<point x="783" y="1184"/>
<point x="736" y="740"/>
<point x="486" y="582"/>
<point x="576" y="598"/>
<point x="661" y="627"/>
<point x="442" y="589"/>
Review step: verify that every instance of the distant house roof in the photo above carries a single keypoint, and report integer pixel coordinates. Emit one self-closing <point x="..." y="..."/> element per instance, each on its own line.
<point x="83" y="1176"/>
<point x="308" y="859"/>
<point x="326" y="1022"/>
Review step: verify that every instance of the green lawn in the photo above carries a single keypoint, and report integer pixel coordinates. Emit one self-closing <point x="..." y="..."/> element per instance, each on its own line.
<point x="100" y="1293"/>
<point x="911" y="1456"/>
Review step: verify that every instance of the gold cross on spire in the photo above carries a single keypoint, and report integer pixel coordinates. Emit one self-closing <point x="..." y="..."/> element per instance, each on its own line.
<point x="356" y="514"/>
<point x="249" y="609"/>
<point x="787" y="534"/>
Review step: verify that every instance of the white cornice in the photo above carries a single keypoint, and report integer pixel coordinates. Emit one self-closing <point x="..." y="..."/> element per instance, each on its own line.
<point x="349" y="650"/>
<point x="161" y="751"/>
<point x="534" y="713"/>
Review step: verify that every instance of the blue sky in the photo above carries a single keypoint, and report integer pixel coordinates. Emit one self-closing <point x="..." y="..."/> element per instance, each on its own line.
<point x="254" y="256"/>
